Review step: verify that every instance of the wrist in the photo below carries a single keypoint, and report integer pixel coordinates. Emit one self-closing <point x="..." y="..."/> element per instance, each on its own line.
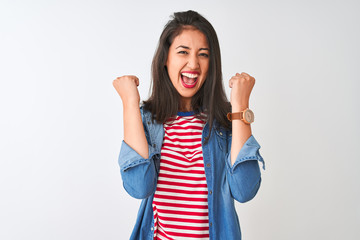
<point x="239" y="107"/>
<point x="246" y="115"/>
<point x="131" y="105"/>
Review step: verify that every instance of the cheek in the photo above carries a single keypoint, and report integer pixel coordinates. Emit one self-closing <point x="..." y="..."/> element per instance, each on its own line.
<point x="173" y="69"/>
<point x="205" y="67"/>
<point x="206" y="73"/>
<point x="170" y="70"/>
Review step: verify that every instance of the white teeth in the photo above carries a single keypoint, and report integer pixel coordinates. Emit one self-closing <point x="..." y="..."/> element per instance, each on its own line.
<point x="189" y="75"/>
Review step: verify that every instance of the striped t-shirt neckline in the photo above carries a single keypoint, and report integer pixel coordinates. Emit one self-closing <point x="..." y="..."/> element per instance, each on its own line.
<point x="186" y="114"/>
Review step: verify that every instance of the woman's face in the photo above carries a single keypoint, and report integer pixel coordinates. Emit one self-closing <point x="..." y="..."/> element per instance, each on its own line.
<point x="188" y="63"/>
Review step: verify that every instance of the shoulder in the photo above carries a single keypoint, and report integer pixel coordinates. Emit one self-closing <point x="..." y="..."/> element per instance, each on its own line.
<point x="153" y="130"/>
<point x="146" y="116"/>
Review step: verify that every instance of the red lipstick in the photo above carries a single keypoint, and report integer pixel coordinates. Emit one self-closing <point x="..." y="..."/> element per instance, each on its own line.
<point x="191" y="72"/>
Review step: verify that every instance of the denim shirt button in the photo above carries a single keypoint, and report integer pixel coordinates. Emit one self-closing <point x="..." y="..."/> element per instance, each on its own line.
<point x="210" y="192"/>
<point x="220" y="133"/>
<point x="208" y="165"/>
<point x="154" y="145"/>
<point x="211" y="224"/>
<point x="152" y="228"/>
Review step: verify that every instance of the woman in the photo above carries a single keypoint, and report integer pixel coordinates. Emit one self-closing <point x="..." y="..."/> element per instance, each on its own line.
<point x="188" y="152"/>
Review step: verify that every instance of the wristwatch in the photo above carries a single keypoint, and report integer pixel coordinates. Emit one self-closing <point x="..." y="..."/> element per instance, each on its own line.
<point x="247" y="116"/>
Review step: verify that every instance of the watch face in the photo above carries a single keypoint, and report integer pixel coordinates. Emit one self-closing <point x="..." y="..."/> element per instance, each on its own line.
<point x="249" y="116"/>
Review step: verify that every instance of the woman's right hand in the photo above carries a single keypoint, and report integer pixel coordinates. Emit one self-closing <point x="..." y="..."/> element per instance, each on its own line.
<point x="126" y="86"/>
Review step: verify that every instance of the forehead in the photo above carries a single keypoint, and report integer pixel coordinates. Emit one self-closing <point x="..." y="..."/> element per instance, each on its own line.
<point x="190" y="37"/>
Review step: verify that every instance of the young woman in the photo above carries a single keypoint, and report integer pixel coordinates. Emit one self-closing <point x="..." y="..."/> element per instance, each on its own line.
<point x="188" y="152"/>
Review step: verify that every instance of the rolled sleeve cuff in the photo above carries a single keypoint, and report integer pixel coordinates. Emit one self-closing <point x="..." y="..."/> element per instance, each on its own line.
<point x="249" y="151"/>
<point x="128" y="157"/>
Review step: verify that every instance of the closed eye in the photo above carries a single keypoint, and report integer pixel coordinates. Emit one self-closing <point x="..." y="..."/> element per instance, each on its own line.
<point x="204" y="54"/>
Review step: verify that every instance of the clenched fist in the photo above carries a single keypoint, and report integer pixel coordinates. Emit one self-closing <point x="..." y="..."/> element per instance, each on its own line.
<point x="126" y="86"/>
<point x="241" y="86"/>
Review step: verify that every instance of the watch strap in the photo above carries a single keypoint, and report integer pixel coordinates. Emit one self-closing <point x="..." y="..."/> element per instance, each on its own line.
<point x="234" y="116"/>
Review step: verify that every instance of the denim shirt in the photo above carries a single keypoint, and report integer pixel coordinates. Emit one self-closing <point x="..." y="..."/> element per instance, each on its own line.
<point x="225" y="182"/>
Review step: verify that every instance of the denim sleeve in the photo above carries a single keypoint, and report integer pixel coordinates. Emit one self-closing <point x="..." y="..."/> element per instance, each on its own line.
<point x="244" y="176"/>
<point x="138" y="174"/>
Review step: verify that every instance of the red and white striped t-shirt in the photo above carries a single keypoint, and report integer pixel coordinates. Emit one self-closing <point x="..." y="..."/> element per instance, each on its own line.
<point x="180" y="202"/>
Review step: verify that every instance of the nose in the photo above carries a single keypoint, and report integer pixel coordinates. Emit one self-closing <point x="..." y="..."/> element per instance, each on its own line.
<point x="193" y="61"/>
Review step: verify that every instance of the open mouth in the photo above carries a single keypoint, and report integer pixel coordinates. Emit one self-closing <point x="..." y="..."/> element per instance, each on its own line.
<point x="189" y="80"/>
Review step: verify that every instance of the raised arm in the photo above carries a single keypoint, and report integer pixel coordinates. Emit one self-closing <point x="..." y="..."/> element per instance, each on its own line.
<point x="244" y="176"/>
<point x="134" y="134"/>
<point x="242" y="85"/>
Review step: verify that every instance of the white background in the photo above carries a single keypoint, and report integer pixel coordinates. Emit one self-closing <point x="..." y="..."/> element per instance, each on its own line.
<point x="61" y="119"/>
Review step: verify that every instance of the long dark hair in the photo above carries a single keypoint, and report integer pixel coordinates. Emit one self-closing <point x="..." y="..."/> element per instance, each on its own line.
<point x="164" y="101"/>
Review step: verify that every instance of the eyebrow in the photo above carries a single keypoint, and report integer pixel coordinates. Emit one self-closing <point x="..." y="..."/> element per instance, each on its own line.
<point x="186" y="47"/>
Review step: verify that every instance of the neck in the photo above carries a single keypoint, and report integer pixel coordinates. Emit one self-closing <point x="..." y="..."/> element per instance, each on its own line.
<point x="185" y="105"/>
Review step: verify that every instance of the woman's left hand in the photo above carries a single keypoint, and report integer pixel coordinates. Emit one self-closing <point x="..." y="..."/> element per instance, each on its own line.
<point x="241" y="86"/>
